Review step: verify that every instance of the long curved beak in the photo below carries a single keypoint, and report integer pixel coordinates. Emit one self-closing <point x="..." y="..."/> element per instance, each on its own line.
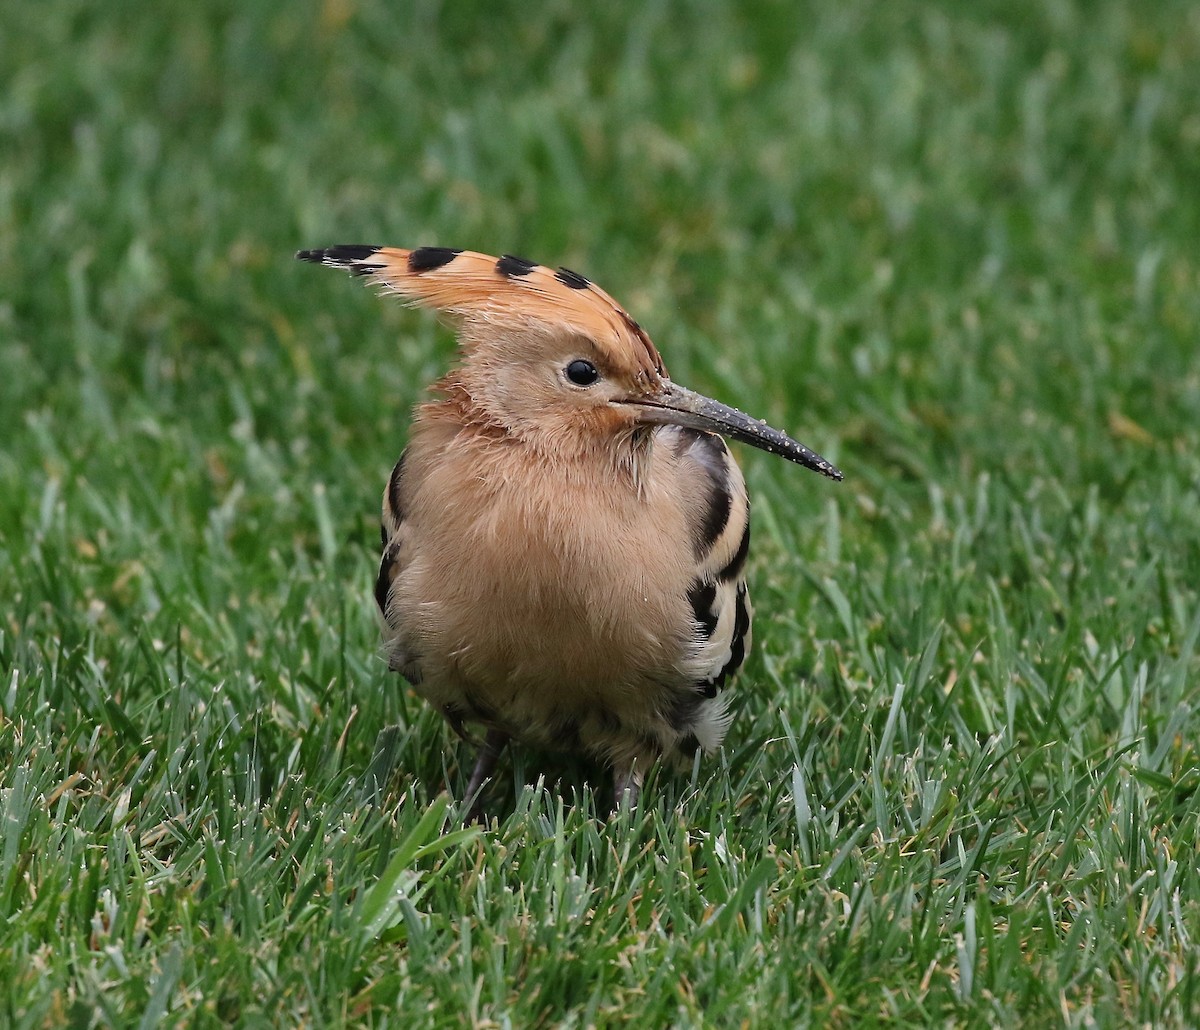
<point x="673" y="405"/>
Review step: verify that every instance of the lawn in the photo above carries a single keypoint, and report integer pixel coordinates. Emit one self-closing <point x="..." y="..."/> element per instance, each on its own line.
<point x="954" y="248"/>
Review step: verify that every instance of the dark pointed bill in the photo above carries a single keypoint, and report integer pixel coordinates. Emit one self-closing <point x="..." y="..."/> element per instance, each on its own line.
<point x="676" y="406"/>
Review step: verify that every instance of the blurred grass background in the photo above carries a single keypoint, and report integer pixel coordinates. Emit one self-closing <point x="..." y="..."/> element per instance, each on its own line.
<point x="954" y="248"/>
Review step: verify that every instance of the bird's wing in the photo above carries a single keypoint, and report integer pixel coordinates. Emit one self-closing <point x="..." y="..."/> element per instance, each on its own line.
<point x="392" y="564"/>
<point x="719" y="515"/>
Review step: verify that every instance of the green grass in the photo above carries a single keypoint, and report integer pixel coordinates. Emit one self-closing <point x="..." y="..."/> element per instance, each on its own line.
<point x="955" y="248"/>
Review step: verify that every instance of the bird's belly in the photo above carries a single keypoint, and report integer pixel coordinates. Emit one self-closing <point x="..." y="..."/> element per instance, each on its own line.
<point x="558" y="635"/>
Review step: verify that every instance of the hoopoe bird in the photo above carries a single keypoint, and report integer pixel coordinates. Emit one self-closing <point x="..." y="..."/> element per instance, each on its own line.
<point x="565" y="535"/>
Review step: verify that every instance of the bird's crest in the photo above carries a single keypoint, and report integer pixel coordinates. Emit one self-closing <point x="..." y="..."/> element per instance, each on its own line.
<point x="508" y="291"/>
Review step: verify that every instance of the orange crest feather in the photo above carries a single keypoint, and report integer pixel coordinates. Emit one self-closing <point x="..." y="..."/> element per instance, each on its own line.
<point x="508" y="290"/>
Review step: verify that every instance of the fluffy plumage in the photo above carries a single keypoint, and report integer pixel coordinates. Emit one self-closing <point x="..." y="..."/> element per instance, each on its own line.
<point x="563" y="560"/>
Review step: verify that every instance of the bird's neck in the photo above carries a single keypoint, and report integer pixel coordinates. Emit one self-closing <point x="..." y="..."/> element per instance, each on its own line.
<point x="624" y="455"/>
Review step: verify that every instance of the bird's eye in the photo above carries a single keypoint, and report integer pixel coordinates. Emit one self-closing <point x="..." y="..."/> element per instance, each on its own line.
<point x="582" y="373"/>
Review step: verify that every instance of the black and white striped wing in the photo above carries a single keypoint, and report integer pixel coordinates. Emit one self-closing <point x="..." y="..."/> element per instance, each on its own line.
<point x="718" y="597"/>
<point x="391" y="565"/>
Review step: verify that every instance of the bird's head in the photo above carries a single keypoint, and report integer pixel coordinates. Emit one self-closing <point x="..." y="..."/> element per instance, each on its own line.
<point x="550" y="357"/>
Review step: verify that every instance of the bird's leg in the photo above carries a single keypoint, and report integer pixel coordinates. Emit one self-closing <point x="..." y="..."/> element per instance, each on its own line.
<point x="485" y="765"/>
<point x="627" y="782"/>
<point x="383" y="764"/>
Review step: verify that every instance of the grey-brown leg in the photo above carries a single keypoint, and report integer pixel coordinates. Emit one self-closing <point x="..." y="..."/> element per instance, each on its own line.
<point x="627" y="786"/>
<point x="383" y="764"/>
<point x="485" y="765"/>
